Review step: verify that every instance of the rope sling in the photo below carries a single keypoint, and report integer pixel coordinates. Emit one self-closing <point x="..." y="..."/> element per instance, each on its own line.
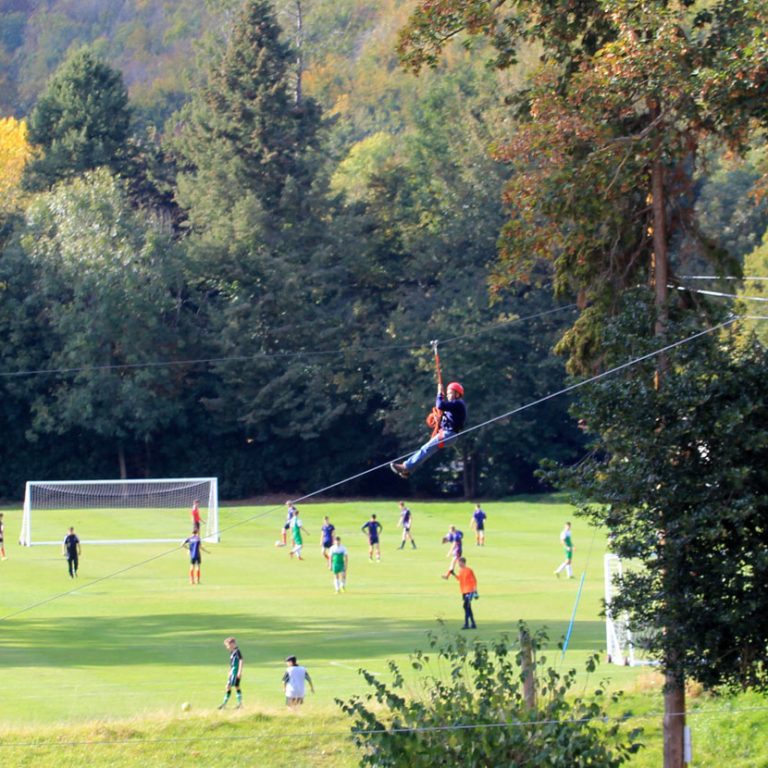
<point x="435" y="415"/>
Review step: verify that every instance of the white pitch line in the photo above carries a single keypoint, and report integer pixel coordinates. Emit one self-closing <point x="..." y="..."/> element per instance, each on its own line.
<point x="353" y="669"/>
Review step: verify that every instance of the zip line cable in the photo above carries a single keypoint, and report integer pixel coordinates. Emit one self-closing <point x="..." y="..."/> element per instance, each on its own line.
<point x="272" y="355"/>
<point x="368" y="471"/>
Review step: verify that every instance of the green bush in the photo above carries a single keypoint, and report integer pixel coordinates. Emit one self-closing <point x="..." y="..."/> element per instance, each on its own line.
<point x="466" y="704"/>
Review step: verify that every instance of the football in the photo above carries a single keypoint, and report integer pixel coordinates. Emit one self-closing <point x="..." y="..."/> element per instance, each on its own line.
<point x="185" y="707"/>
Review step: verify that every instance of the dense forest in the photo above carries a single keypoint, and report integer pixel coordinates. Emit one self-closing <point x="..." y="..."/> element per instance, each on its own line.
<point x="230" y="231"/>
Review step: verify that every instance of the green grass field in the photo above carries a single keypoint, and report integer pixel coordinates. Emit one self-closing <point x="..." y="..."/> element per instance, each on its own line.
<point x="130" y="640"/>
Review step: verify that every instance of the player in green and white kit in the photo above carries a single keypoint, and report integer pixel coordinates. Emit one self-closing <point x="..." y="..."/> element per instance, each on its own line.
<point x="338" y="560"/>
<point x="567" y="542"/>
<point x="296" y="532"/>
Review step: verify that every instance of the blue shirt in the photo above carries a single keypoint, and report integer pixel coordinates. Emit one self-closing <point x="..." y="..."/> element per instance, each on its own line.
<point x="405" y="517"/>
<point x="327" y="534"/>
<point x="373" y="527"/>
<point x="456" y="538"/>
<point x="479" y="516"/>
<point x="454" y="413"/>
<point x="193" y="542"/>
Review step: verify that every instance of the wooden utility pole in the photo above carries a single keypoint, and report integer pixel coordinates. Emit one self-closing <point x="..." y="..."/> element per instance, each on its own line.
<point x="674" y="681"/>
<point x="528" y="670"/>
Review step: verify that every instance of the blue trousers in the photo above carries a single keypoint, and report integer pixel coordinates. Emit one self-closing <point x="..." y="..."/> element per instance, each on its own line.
<point x="426" y="450"/>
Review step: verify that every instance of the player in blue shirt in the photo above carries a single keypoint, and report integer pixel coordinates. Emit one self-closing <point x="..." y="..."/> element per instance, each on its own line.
<point x="372" y="528"/>
<point x="478" y="524"/>
<point x="454" y="537"/>
<point x="406" y="520"/>
<point x="194" y="544"/>
<point x="326" y="537"/>
<point x="454" y="415"/>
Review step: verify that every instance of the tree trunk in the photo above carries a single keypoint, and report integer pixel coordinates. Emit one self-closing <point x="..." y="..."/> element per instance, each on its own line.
<point x="469" y="473"/>
<point x="299" y="51"/>
<point x="674" y="716"/>
<point x="121" y="461"/>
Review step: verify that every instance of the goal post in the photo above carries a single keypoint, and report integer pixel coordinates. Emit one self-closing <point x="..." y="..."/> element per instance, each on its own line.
<point x="620" y="641"/>
<point x="119" y="511"/>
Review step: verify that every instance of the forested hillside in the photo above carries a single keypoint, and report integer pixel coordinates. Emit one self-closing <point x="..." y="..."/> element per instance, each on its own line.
<point x="229" y="236"/>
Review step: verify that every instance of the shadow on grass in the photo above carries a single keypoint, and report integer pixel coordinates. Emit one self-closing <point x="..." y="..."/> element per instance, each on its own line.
<point x="183" y="638"/>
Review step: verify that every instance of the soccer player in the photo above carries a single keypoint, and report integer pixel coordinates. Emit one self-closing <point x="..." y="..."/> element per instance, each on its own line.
<point x="298" y="541"/>
<point x="2" y="538"/>
<point x="372" y="528"/>
<point x="406" y="520"/>
<point x="567" y="542"/>
<point x="289" y="515"/>
<point x="478" y="524"/>
<point x="326" y="537"/>
<point x="293" y="682"/>
<point x="454" y="537"/>
<point x="235" y="673"/>
<point x="71" y="550"/>
<point x="194" y="544"/>
<point x="338" y="562"/>
<point x="195" y="513"/>
<point x="468" y="586"/>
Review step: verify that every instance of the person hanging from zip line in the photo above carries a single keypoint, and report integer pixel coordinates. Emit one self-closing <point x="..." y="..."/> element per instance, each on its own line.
<point x="447" y="419"/>
<point x="450" y="421"/>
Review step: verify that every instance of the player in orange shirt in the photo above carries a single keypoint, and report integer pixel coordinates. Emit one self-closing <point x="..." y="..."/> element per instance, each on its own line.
<point x="468" y="586"/>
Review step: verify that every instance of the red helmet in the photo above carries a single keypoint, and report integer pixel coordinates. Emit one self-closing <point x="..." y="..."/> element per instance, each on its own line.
<point x="456" y="387"/>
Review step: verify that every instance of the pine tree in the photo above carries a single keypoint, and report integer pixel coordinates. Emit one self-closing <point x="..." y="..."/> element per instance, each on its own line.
<point x="81" y="122"/>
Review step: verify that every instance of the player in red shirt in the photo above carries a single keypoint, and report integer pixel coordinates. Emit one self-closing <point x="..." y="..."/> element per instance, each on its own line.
<point x="195" y="513"/>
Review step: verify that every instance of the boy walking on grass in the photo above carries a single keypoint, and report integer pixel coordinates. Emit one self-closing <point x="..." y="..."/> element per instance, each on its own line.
<point x="235" y="673"/>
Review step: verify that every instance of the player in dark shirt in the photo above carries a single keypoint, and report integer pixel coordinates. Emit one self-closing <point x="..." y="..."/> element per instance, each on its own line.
<point x="455" y="538"/>
<point x="71" y="550"/>
<point x="195" y="545"/>
<point x="406" y="520"/>
<point x="326" y="537"/>
<point x="454" y="416"/>
<point x="372" y="528"/>
<point x="478" y="523"/>
<point x="235" y="673"/>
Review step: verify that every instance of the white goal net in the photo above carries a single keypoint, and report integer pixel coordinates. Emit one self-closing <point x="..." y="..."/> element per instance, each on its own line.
<point x="622" y="646"/>
<point x="119" y="511"/>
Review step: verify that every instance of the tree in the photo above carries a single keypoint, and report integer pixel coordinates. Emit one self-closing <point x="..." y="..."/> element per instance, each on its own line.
<point x="680" y="486"/>
<point x="108" y="283"/>
<point x="15" y="152"/>
<point x="483" y="684"/>
<point x="80" y="122"/>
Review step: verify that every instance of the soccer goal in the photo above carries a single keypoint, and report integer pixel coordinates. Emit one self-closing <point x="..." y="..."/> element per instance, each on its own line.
<point x="620" y="642"/>
<point x="119" y="511"/>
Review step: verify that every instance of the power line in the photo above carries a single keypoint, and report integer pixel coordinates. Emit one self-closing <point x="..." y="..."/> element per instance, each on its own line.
<point x="755" y="278"/>
<point x="718" y="294"/>
<point x="273" y="355"/>
<point x="625" y="718"/>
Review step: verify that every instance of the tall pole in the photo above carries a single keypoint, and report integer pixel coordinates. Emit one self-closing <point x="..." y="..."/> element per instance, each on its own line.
<point x="674" y="681"/>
